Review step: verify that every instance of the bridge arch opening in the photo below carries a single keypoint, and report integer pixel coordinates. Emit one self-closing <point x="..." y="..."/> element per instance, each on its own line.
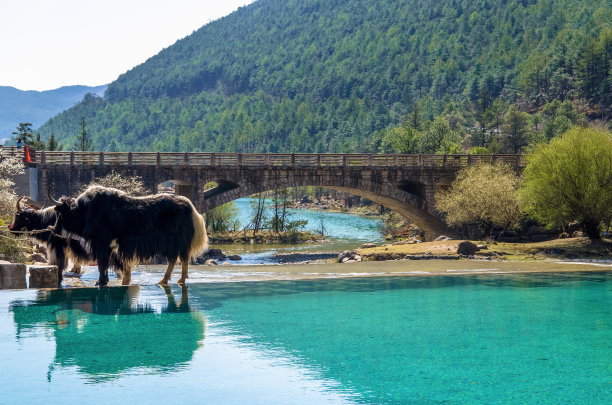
<point x="406" y="203"/>
<point x="218" y="187"/>
<point x="413" y="187"/>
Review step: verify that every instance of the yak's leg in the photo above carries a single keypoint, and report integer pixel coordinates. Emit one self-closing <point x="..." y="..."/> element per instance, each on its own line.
<point x="62" y="262"/>
<point x="184" y="268"/>
<point x="103" y="269"/>
<point x="168" y="274"/>
<point x="127" y="275"/>
<point x="184" y="305"/>
<point x="171" y="301"/>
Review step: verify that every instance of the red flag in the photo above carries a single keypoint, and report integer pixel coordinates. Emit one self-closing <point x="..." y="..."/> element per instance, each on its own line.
<point x="28" y="154"/>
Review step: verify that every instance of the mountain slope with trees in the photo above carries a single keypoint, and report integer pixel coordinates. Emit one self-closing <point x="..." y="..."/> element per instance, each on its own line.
<point x="362" y="76"/>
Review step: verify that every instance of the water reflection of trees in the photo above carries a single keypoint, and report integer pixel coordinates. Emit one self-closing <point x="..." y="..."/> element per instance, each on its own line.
<point x="104" y="332"/>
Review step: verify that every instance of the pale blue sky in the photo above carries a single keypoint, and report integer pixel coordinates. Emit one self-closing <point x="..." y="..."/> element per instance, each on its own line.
<point x="46" y="44"/>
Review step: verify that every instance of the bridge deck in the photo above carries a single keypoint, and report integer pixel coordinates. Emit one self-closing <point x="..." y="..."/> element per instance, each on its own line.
<point x="256" y="159"/>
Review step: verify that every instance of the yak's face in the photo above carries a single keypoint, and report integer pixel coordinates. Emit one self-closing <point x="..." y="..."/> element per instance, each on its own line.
<point x="24" y="220"/>
<point x="65" y="205"/>
<point x="66" y="218"/>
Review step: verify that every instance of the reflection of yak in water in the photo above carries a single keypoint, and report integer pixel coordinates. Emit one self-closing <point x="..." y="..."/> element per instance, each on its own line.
<point x="104" y="331"/>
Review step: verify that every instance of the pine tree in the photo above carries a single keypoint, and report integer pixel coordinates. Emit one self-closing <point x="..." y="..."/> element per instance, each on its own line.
<point x="52" y="144"/>
<point x="83" y="142"/>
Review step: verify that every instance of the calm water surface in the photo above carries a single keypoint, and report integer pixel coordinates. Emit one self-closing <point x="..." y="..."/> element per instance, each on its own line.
<point x="343" y="231"/>
<point x="529" y="338"/>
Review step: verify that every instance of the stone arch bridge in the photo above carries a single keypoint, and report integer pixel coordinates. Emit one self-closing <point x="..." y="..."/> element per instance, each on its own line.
<point x="405" y="184"/>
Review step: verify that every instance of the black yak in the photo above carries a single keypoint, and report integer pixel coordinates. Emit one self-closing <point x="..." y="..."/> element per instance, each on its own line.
<point x="59" y="249"/>
<point x="135" y="229"/>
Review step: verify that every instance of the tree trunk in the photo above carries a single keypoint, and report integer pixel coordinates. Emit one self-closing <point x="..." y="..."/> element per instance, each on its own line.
<point x="591" y="228"/>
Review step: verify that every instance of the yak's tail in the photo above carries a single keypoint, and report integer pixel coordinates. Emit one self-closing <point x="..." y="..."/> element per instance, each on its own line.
<point x="199" y="243"/>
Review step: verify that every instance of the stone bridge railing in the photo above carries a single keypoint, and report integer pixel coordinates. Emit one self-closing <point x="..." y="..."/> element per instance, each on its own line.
<point x="261" y="159"/>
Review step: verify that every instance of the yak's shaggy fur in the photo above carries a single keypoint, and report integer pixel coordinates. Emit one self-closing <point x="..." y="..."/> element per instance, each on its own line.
<point x="59" y="249"/>
<point x="135" y="229"/>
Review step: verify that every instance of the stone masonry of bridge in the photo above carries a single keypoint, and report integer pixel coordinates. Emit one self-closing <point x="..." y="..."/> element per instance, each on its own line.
<point x="405" y="184"/>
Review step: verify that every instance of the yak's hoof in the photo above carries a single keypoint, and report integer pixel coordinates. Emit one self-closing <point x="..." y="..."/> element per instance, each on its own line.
<point x="101" y="283"/>
<point x="181" y="281"/>
<point x="163" y="282"/>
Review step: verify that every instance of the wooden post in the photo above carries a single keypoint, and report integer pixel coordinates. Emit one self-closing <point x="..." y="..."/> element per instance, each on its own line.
<point x="130" y="159"/>
<point x="516" y="161"/>
<point x="444" y="160"/>
<point x="101" y="158"/>
<point x="318" y="159"/>
<point x="344" y="160"/>
<point x="395" y="160"/>
<point x="43" y="157"/>
<point x="239" y="159"/>
<point x="72" y="158"/>
<point x="267" y="160"/>
<point x="293" y="159"/>
<point x="420" y="159"/>
<point x="212" y="159"/>
<point x="370" y="160"/>
<point x="469" y="160"/>
<point x="158" y="156"/>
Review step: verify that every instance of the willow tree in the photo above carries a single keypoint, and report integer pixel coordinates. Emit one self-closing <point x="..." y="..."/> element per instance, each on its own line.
<point x="570" y="180"/>
<point x="484" y="195"/>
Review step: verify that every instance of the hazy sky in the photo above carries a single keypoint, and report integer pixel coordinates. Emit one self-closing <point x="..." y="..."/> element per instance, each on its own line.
<point x="46" y="44"/>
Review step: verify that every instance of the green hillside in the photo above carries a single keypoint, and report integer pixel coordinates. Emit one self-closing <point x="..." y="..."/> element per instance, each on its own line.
<point x="331" y="76"/>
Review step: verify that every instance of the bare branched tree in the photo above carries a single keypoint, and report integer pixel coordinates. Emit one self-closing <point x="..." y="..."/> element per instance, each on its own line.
<point x="133" y="185"/>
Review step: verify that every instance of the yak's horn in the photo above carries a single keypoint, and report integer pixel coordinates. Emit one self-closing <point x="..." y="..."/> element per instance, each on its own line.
<point x="53" y="200"/>
<point x="19" y="210"/>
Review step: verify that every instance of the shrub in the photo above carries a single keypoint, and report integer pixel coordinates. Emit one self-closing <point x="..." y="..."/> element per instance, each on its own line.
<point x="570" y="180"/>
<point x="483" y="195"/>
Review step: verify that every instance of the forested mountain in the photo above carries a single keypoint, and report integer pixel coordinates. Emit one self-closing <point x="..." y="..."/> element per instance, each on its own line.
<point x="343" y="75"/>
<point x="37" y="107"/>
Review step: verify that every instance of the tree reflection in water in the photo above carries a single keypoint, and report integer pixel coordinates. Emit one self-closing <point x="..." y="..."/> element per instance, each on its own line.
<point x="105" y="332"/>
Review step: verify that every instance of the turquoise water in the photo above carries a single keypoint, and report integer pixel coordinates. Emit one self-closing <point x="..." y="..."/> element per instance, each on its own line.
<point x="337" y="225"/>
<point x="342" y="231"/>
<point x="457" y="339"/>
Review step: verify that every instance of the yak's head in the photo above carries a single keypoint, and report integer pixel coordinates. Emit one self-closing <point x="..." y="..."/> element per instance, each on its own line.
<point x="65" y="210"/>
<point x="26" y="219"/>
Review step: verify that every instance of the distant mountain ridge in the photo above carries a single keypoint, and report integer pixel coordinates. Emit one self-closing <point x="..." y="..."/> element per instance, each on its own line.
<point x="38" y="106"/>
<point x="327" y="76"/>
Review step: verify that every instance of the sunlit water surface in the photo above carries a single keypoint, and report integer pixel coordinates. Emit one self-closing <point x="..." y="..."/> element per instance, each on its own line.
<point x="527" y="338"/>
<point x="342" y="231"/>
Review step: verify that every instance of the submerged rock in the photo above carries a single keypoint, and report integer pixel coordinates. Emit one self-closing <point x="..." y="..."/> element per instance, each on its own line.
<point x="214" y="254"/>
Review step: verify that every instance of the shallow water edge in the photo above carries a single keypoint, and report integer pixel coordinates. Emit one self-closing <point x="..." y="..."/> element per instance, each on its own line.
<point x="152" y="274"/>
